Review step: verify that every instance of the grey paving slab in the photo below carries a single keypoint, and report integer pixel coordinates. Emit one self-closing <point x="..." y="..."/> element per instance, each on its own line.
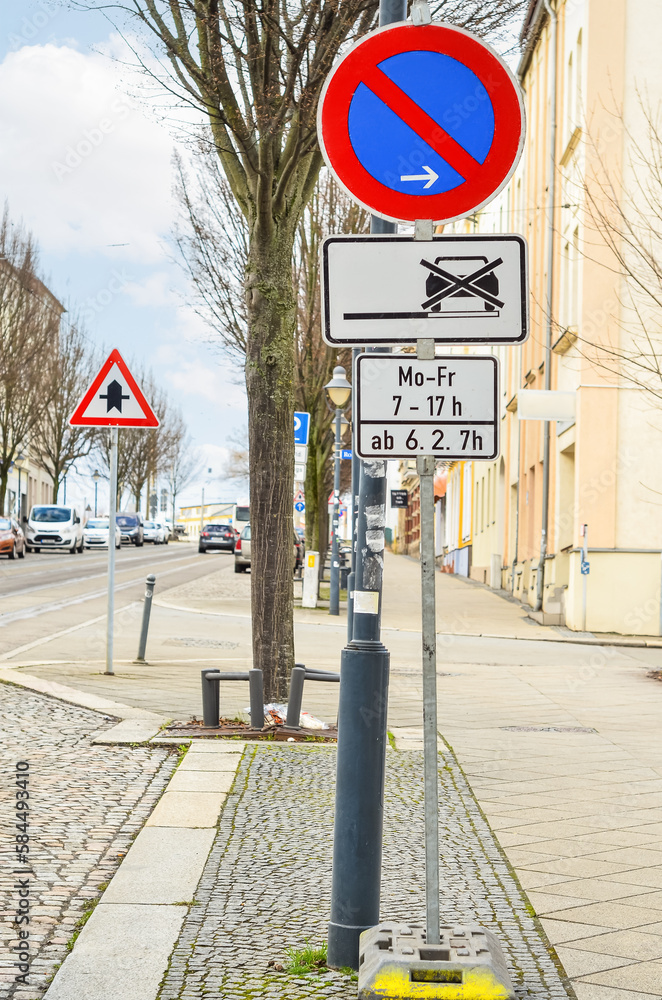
<point x="187" y="809"/>
<point x="120" y="955"/>
<point x="266" y="884"/>
<point x="128" y="731"/>
<point x="163" y="866"/>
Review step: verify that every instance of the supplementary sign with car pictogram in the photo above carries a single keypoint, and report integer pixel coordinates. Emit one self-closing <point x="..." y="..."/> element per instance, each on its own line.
<point x="447" y="407"/>
<point x="453" y="289"/>
<point x="114" y="399"/>
<point x="421" y="122"/>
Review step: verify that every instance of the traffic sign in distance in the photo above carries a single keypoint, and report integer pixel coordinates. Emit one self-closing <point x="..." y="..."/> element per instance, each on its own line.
<point x="453" y="289"/>
<point x="114" y="399"/>
<point x="447" y="407"/>
<point x="300" y="506"/>
<point x="300" y="454"/>
<point x="421" y="122"/>
<point x="399" y="498"/>
<point x="301" y="428"/>
<point x="345" y="453"/>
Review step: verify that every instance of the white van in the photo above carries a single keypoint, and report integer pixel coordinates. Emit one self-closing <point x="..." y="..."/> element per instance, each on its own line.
<point x="54" y="526"/>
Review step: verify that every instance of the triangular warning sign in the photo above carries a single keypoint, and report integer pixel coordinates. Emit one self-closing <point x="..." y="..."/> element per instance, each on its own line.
<point x="114" y="399"/>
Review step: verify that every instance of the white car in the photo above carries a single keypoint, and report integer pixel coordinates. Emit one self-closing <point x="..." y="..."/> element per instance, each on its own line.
<point x="153" y="531"/>
<point x="54" y="526"/>
<point x="95" y="534"/>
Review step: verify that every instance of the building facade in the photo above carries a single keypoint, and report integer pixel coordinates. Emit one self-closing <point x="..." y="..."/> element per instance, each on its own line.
<point x="592" y="78"/>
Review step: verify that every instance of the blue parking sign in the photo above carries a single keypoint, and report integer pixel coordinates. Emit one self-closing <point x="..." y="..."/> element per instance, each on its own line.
<point x="301" y="428"/>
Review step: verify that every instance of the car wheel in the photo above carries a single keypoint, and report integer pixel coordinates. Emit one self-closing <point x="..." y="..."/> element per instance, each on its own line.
<point x="73" y="550"/>
<point x="81" y="547"/>
<point x="21" y="554"/>
<point x="200" y="549"/>
<point x="12" y="554"/>
<point x="238" y="568"/>
<point x="36" y="549"/>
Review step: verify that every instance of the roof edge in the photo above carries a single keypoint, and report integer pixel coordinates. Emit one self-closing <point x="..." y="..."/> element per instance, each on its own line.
<point x="530" y="34"/>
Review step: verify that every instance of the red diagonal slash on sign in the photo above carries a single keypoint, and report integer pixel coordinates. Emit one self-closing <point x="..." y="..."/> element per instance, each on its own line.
<point x="427" y="128"/>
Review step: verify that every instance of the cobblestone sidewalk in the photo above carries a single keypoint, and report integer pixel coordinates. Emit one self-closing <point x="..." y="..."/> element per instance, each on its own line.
<point x="266" y="884"/>
<point x="86" y="804"/>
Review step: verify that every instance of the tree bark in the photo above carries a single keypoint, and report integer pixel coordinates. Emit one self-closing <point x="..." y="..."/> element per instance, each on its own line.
<point x="270" y="389"/>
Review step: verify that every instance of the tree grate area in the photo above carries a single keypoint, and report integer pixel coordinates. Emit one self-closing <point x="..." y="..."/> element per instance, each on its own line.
<point x="86" y="805"/>
<point x="266" y="886"/>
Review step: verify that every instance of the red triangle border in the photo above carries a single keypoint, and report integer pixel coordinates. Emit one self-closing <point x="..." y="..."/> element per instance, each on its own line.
<point x="79" y="420"/>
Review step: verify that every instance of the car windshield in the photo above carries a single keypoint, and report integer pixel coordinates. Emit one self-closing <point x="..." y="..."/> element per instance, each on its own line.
<point x="5" y="524"/>
<point x="127" y="520"/>
<point x="148" y="524"/>
<point x="216" y="529"/>
<point x="57" y="514"/>
<point x="97" y="524"/>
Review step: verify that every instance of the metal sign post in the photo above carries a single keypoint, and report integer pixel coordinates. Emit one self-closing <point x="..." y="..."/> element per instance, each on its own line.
<point x="112" y="516"/>
<point x="113" y="400"/>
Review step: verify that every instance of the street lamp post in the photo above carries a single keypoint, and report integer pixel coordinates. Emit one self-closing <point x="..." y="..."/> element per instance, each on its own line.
<point x="339" y="391"/>
<point x="96" y="477"/>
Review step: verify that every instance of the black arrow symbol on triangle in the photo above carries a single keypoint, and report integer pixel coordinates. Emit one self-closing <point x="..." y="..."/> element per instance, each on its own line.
<point x="114" y="396"/>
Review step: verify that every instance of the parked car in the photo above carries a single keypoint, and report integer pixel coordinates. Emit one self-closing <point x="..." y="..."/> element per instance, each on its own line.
<point x="217" y="536"/>
<point x="300" y="546"/>
<point x="167" y="530"/>
<point x="12" y="539"/>
<point x="154" y="532"/>
<point x="180" y="530"/>
<point x="95" y="534"/>
<point x="131" y="527"/>
<point x="54" y="526"/>
<point x="242" y="551"/>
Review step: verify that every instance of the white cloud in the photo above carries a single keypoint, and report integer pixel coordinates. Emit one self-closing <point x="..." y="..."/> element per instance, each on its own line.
<point x="81" y="161"/>
<point x="205" y="378"/>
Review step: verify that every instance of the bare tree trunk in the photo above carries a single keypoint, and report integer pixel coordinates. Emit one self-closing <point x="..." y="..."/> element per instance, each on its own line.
<point x="270" y="388"/>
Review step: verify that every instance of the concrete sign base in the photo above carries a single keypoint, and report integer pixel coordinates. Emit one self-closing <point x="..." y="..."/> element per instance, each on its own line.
<point x="468" y="964"/>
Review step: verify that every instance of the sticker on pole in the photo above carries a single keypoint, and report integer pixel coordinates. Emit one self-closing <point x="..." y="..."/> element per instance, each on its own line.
<point x="421" y="122"/>
<point x="114" y="399"/>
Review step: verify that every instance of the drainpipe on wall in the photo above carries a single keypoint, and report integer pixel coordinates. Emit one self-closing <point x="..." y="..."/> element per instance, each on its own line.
<point x="550" y="298"/>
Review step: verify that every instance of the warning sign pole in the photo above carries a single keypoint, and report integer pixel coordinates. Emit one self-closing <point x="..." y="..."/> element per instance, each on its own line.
<point x="112" y="517"/>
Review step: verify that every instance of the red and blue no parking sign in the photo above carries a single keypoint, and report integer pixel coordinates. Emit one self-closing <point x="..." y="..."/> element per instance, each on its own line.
<point x="421" y="122"/>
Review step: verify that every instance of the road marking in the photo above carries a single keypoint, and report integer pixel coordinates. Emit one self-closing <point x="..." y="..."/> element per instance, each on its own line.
<point x="41" y="609"/>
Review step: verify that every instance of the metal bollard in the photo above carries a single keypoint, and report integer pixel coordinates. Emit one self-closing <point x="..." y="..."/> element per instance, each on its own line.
<point x="211" y="695"/>
<point x="297" y="677"/>
<point x="147" y="609"/>
<point x="211" y="698"/>
<point x="256" y="685"/>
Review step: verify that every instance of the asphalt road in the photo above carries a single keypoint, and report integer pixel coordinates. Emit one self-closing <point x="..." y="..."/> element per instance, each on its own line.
<point x="49" y="592"/>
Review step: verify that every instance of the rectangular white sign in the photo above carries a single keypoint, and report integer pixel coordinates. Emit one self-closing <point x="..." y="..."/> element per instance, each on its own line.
<point x="447" y="407"/>
<point x="300" y="454"/>
<point x="299" y="472"/>
<point x="397" y="290"/>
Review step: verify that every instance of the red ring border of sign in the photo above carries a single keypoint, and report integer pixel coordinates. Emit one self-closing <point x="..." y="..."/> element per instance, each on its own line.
<point x="333" y="131"/>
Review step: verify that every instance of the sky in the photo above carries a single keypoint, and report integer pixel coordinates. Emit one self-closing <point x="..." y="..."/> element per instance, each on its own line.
<point x="86" y="163"/>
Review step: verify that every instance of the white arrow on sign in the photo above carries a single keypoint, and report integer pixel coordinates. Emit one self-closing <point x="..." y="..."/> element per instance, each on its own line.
<point x="430" y="176"/>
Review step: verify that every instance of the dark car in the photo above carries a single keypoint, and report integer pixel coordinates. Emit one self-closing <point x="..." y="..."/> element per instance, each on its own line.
<point x="217" y="536"/>
<point x="131" y="528"/>
<point x="12" y="539"/>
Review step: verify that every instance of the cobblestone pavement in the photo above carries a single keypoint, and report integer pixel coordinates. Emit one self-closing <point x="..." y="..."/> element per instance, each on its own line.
<point x="266" y="884"/>
<point x="86" y="805"/>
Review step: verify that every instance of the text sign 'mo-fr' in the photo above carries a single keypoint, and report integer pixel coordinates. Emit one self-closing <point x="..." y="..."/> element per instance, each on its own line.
<point x="447" y="407"/>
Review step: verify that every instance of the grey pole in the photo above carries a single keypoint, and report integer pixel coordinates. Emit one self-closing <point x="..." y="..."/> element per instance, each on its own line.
<point x="147" y="610"/>
<point x="356" y="471"/>
<point x="362" y="704"/>
<point x="334" y="590"/>
<point x="425" y="469"/>
<point x="112" y="512"/>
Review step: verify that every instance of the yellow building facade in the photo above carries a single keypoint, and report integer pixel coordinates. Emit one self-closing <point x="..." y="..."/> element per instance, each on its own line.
<point x="584" y="69"/>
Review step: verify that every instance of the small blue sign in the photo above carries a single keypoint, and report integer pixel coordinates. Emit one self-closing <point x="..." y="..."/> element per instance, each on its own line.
<point x="300" y="507"/>
<point x="346" y="453"/>
<point x="301" y="428"/>
<point x="586" y="567"/>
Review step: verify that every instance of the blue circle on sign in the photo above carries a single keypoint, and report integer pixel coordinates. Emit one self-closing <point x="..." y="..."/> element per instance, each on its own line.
<point x="300" y="506"/>
<point x="451" y="95"/>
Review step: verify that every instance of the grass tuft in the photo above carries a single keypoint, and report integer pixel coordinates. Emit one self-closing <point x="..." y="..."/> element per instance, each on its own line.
<point x="307" y="959"/>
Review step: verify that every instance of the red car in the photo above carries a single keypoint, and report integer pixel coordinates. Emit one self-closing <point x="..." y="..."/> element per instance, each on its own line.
<point x="12" y="539"/>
